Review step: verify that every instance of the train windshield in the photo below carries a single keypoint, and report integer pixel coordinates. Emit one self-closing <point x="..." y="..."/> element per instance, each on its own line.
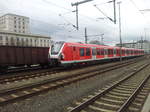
<point x="56" y="48"/>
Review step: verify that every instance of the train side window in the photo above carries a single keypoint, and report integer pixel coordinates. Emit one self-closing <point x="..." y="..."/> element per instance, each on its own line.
<point x="88" y="52"/>
<point x="81" y="51"/>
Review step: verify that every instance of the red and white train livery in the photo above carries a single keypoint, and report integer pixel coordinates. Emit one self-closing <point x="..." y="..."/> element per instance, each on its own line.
<point x="71" y="53"/>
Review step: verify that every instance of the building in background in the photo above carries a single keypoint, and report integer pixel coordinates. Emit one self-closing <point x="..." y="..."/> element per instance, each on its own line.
<point x="15" y="31"/>
<point x="14" y="23"/>
<point x="27" y="40"/>
<point x="141" y="44"/>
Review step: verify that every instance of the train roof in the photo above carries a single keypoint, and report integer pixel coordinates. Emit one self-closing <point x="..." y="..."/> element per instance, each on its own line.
<point x="94" y="45"/>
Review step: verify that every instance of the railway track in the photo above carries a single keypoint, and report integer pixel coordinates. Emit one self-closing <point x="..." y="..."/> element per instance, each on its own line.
<point x="125" y="95"/>
<point x="29" y="90"/>
<point x="29" y="74"/>
<point x="47" y="72"/>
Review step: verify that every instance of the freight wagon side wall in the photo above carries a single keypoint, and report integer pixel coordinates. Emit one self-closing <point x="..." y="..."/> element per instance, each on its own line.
<point x="14" y="56"/>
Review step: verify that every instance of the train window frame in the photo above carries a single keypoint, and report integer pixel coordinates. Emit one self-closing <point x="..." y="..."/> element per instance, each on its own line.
<point x="81" y="51"/>
<point x="88" y="52"/>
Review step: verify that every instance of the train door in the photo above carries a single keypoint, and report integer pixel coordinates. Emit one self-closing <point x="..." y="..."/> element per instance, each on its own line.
<point x="105" y="53"/>
<point x="74" y="53"/>
<point x="93" y="53"/>
<point x="115" y="52"/>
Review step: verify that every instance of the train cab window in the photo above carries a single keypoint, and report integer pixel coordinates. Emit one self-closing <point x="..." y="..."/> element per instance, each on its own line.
<point x="88" y="52"/>
<point x="81" y="51"/>
<point x="56" y="48"/>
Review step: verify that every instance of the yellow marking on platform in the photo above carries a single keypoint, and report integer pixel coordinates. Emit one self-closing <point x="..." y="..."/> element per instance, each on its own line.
<point x="121" y="94"/>
<point x="114" y="96"/>
<point x="110" y="100"/>
<point x="26" y="92"/>
<point x="35" y="89"/>
<point x="106" y="104"/>
<point x="133" y="109"/>
<point x="100" y="109"/>
<point x="2" y="99"/>
<point x="13" y="95"/>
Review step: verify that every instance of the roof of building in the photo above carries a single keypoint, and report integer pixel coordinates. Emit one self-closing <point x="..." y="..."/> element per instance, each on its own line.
<point x="14" y="15"/>
<point x="22" y="34"/>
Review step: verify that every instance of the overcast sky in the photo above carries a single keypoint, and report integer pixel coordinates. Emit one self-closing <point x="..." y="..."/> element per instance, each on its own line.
<point x="56" y="19"/>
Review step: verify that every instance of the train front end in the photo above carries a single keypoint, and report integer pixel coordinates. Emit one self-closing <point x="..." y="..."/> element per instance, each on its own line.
<point x="56" y="53"/>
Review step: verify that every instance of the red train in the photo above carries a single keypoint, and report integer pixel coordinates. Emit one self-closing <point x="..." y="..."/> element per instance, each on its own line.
<point x="73" y="53"/>
<point x="61" y="54"/>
